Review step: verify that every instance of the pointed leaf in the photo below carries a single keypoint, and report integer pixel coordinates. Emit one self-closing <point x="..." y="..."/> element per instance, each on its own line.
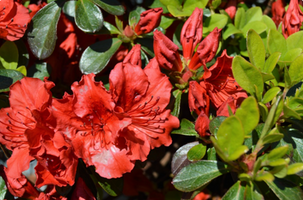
<point x="295" y="70"/>
<point x="39" y="70"/>
<point x="88" y="16"/>
<point x="236" y="192"/>
<point x="186" y="128"/>
<point x="134" y="16"/>
<point x="113" y="186"/>
<point x="215" y="20"/>
<point x="215" y="124"/>
<point x="42" y="35"/>
<point x="270" y="94"/>
<point x="270" y="138"/>
<point x="177" y="105"/>
<point x="113" y="7"/>
<point x="271" y="62"/>
<point x="230" y="30"/>
<point x="198" y="174"/>
<point x="294" y="168"/>
<point x="8" y="77"/>
<point x="295" y="40"/>
<point x="278" y="152"/>
<point x="276" y="42"/>
<point x="9" y="55"/>
<point x="255" y="49"/>
<point x="95" y="58"/>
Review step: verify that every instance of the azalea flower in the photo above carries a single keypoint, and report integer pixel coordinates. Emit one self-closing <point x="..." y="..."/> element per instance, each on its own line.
<point x="278" y="11"/>
<point x="292" y="20"/>
<point x="112" y="129"/>
<point x="149" y="20"/>
<point x="28" y="129"/>
<point x="14" y="18"/>
<point x="217" y="86"/>
<point x="168" y="57"/>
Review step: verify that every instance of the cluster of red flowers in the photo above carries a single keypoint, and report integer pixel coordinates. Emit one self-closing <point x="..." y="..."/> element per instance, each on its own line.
<point x="291" y="20"/>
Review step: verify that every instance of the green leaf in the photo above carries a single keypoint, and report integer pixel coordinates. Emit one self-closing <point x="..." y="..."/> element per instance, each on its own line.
<point x="69" y="8"/>
<point x="263" y="111"/>
<point x="42" y="35"/>
<point x="113" y="7"/>
<point x="295" y="70"/>
<point x="295" y="41"/>
<point x="236" y="192"/>
<point x="113" y="186"/>
<point x="288" y="57"/>
<point x="285" y="190"/>
<point x="171" y="2"/>
<point x="264" y="176"/>
<point x="9" y="55"/>
<point x="198" y="174"/>
<point x="23" y="53"/>
<point x="276" y="42"/>
<point x="230" y="138"/>
<point x="271" y="138"/>
<point x="215" y="124"/>
<point x="190" y="5"/>
<point x="294" y="168"/>
<point x="270" y="94"/>
<point x="247" y="75"/>
<point x="288" y="113"/>
<point x="215" y="20"/>
<point x="240" y="18"/>
<point x="186" y="128"/>
<point x="255" y="49"/>
<point x="166" y="22"/>
<point x="8" y="77"/>
<point x="230" y="30"/>
<point x="177" y="105"/>
<point x="196" y="153"/>
<point x="248" y="113"/>
<point x="39" y="70"/>
<point x="271" y="62"/>
<point x="108" y="28"/>
<point x="134" y="16"/>
<point x="88" y="16"/>
<point x="179" y="159"/>
<point x="95" y="58"/>
<point x="22" y="69"/>
<point x="3" y="188"/>
<point x="293" y="138"/>
<point x="278" y="152"/>
<point x="257" y="26"/>
<point x="253" y="14"/>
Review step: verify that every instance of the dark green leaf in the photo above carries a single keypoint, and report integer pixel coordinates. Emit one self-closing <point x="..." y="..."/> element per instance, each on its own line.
<point x="285" y="190"/>
<point x="134" y="16"/>
<point x="42" y="34"/>
<point x="9" y="55"/>
<point x="3" y="188"/>
<point x="186" y="128"/>
<point x="113" y="186"/>
<point x="236" y="192"/>
<point x="39" y="70"/>
<point x="69" y="8"/>
<point x="198" y="174"/>
<point x="95" y="58"/>
<point x="88" y="16"/>
<point x="8" y="77"/>
<point x="108" y="28"/>
<point x="179" y="159"/>
<point x="23" y="53"/>
<point x="196" y="153"/>
<point x="113" y="7"/>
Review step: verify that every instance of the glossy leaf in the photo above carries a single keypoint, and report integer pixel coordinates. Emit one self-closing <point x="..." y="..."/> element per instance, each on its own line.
<point x="230" y="138"/>
<point x="95" y="58"/>
<point x="196" y="153"/>
<point x="215" y="124"/>
<point x="9" y="55"/>
<point x="8" y="77"/>
<point x="186" y="128"/>
<point x="247" y="75"/>
<point x="179" y="159"/>
<point x="113" y="7"/>
<point x="255" y="49"/>
<point x="108" y="28"/>
<point x="3" y="188"/>
<point x="88" y="16"/>
<point x="242" y="191"/>
<point x="69" y="8"/>
<point x="42" y="35"/>
<point x="264" y="176"/>
<point x="285" y="190"/>
<point x="198" y="174"/>
<point x="294" y="138"/>
<point x="248" y="113"/>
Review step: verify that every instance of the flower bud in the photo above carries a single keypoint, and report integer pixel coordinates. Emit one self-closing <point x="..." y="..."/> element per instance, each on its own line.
<point x="292" y="20"/>
<point x="166" y="52"/>
<point x="191" y="33"/>
<point x="278" y="11"/>
<point x="149" y="20"/>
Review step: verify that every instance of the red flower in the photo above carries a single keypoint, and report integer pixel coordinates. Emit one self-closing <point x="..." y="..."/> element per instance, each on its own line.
<point x="111" y="130"/>
<point x="293" y="19"/>
<point x="231" y="8"/>
<point x="28" y="129"/>
<point x="219" y="86"/>
<point x="149" y="20"/>
<point x="278" y="11"/>
<point x="14" y="18"/>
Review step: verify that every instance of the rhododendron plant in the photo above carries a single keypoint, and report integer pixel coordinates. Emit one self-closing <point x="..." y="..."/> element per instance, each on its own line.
<point x="151" y="99"/>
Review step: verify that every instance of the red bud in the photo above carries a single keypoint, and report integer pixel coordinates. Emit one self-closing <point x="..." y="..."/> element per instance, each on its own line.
<point x="149" y="20"/>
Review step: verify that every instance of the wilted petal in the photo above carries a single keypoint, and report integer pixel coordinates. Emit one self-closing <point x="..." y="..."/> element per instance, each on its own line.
<point x="166" y="52"/>
<point x="134" y="56"/>
<point x="202" y="125"/>
<point x="149" y="20"/>
<point x="191" y="33"/>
